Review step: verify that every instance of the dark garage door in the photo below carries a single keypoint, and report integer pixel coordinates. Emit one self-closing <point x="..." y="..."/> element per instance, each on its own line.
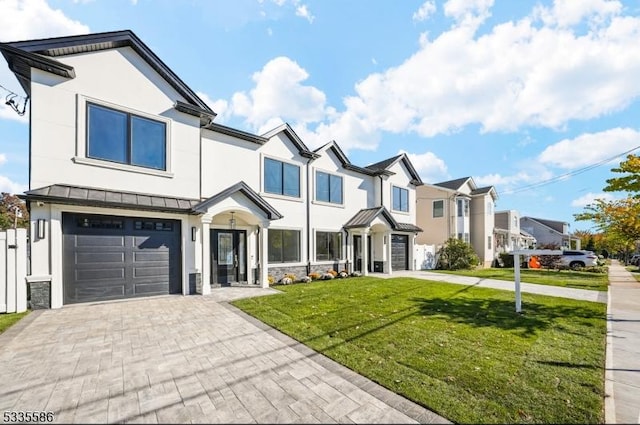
<point x="399" y="252"/>
<point x="110" y="257"/>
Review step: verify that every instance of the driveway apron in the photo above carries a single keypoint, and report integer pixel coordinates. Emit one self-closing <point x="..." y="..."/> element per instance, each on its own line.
<point x="177" y="359"/>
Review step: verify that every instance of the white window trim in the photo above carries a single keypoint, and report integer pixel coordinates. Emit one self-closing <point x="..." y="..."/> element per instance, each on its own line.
<point x="264" y="193"/>
<point x="81" y="139"/>
<point x="324" y="203"/>
<point x="408" y="212"/>
<point x="343" y="247"/>
<point x="302" y="245"/>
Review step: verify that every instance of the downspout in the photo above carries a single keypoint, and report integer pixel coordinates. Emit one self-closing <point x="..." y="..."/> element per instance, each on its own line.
<point x="308" y="219"/>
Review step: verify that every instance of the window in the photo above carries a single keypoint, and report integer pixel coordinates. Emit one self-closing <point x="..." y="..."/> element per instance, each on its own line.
<point x="100" y="223"/>
<point x="400" y="199"/>
<point x="438" y="208"/>
<point x="328" y="188"/>
<point x="463" y="208"/>
<point x="281" y="178"/>
<point x="488" y="242"/>
<point x="328" y="246"/>
<point x="463" y="237"/>
<point x="125" y="138"/>
<point x="284" y="246"/>
<point x="489" y="207"/>
<point x="161" y="226"/>
<point x="515" y="223"/>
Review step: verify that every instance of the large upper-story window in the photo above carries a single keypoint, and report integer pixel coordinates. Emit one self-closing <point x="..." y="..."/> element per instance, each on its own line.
<point x="328" y="188"/>
<point x="125" y="138"/>
<point x="284" y="246"/>
<point x="400" y="199"/>
<point x="328" y="246"/>
<point x="438" y="208"/>
<point x="463" y="208"/>
<point x="281" y="178"/>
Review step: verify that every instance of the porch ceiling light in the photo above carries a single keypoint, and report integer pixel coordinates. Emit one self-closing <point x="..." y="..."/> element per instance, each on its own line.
<point x="232" y="221"/>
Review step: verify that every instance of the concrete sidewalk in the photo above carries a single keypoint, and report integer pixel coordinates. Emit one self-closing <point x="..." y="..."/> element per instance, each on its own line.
<point x="622" y="376"/>
<point x="554" y="291"/>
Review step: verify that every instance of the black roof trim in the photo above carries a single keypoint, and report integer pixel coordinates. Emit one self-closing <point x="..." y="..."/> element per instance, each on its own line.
<point x="455" y="184"/>
<point x="364" y="217"/>
<point x="383" y="166"/>
<point x="295" y="139"/>
<point x="90" y="196"/>
<point x="20" y="63"/>
<point x="218" y="128"/>
<point x="205" y="116"/>
<point x="61" y="46"/>
<point x="270" y="212"/>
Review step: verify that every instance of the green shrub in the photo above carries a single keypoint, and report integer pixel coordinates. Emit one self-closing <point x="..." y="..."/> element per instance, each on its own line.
<point x="457" y="255"/>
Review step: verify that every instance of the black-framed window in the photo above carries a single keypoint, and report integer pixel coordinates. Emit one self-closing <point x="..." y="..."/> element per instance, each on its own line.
<point x="463" y="208"/>
<point x="400" y="199"/>
<point x="438" y="208"/>
<point x="125" y="138"/>
<point x="284" y="246"/>
<point x="281" y="178"/>
<point x="328" y="246"/>
<point x="328" y="188"/>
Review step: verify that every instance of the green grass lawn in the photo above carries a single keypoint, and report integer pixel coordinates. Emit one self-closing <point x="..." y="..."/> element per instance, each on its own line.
<point x="568" y="278"/>
<point x="462" y="352"/>
<point x="8" y="319"/>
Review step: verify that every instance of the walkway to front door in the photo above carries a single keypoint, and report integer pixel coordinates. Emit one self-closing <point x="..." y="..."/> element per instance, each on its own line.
<point x="228" y="256"/>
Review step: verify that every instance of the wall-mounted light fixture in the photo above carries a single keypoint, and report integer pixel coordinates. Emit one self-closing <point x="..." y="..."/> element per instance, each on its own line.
<point x="232" y="221"/>
<point x="193" y="233"/>
<point x="41" y="231"/>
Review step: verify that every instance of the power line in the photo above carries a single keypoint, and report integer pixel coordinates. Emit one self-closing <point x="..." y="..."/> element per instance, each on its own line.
<point x="13" y="100"/>
<point x="569" y="174"/>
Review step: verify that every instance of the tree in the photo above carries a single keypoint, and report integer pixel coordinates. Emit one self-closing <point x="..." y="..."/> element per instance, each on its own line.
<point x="13" y="211"/>
<point x="630" y="182"/>
<point x="619" y="220"/>
<point x="456" y="255"/>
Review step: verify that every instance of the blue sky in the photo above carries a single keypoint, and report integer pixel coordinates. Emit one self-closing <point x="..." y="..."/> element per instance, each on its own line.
<point x="538" y="98"/>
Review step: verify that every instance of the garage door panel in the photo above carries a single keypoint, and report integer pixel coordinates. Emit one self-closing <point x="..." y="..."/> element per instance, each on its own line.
<point x="99" y="257"/>
<point x="104" y="261"/>
<point x="399" y="252"/>
<point x="100" y="241"/>
<point x="151" y="272"/>
<point x="145" y="257"/>
<point x="100" y="274"/>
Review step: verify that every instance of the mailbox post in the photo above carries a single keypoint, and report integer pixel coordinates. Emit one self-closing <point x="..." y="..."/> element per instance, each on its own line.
<point x="516" y="268"/>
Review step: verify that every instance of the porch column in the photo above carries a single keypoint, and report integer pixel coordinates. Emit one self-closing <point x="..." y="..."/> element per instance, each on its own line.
<point x="205" y="223"/>
<point x="263" y="240"/>
<point x="387" y="237"/>
<point x="365" y="252"/>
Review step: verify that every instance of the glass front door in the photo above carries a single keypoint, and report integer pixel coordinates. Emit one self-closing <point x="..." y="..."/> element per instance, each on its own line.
<point x="228" y="259"/>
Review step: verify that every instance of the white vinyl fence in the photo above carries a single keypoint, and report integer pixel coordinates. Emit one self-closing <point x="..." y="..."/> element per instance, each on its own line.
<point x="425" y="257"/>
<point x="13" y="271"/>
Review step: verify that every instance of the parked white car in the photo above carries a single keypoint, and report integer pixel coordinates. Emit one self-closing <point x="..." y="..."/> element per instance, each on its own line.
<point x="577" y="259"/>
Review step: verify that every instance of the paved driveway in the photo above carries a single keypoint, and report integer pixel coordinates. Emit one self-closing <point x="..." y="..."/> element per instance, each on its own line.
<point x="181" y="359"/>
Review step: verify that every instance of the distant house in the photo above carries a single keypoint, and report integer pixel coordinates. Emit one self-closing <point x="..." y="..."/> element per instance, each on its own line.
<point x="457" y="209"/>
<point x="549" y="232"/>
<point x="507" y="232"/>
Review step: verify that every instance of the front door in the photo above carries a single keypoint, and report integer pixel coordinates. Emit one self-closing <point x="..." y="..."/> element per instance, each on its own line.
<point x="228" y="262"/>
<point x="357" y="253"/>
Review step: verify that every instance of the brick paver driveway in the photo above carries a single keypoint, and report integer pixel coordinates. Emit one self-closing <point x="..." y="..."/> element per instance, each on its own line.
<point x="180" y="359"/>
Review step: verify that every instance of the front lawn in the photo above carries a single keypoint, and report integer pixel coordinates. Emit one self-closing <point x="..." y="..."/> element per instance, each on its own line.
<point x="568" y="278"/>
<point x="462" y="352"/>
<point x="8" y="319"/>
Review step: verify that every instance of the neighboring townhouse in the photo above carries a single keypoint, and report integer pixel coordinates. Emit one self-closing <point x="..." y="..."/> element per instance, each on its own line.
<point x="549" y="232"/>
<point x="459" y="209"/>
<point x="134" y="190"/>
<point x="508" y="235"/>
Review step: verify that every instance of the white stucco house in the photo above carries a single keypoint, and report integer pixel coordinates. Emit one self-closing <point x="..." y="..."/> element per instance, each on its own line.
<point x="135" y="190"/>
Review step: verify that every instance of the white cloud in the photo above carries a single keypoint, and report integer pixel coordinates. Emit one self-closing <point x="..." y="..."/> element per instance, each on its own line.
<point x="566" y="13"/>
<point x="3" y="159"/>
<point x="9" y="114"/>
<point x="7" y="185"/>
<point x="468" y="12"/>
<point x="303" y="11"/>
<point x="428" y="165"/>
<point x="589" y="198"/>
<point x="27" y="19"/>
<point x="590" y="148"/>
<point x="279" y="92"/>
<point x="423" y="13"/>
<point x="220" y="107"/>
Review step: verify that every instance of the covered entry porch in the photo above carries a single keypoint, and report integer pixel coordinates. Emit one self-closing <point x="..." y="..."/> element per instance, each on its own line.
<point x="232" y="234"/>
